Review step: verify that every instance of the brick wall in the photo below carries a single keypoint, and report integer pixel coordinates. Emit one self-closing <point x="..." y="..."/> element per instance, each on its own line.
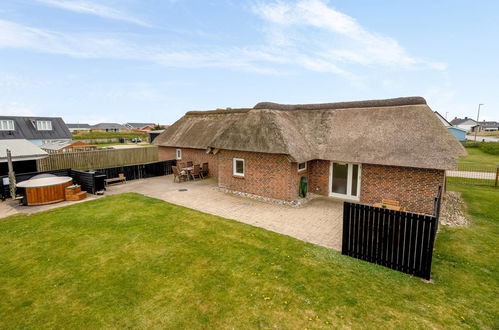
<point x="267" y="175"/>
<point x="197" y="156"/>
<point x="319" y="177"/>
<point x="274" y="176"/>
<point x="415" y="188"/>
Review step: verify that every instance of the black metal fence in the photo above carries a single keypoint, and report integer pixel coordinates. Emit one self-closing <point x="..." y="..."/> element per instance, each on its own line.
<point x="398" y="240"/>
<point x="140" y="171"/>
<point x="93" y="180"/>
<point x="486" y="175"/>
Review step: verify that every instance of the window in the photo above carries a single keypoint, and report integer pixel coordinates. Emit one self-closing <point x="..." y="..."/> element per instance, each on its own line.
<point x="44" y="125"/>
<point x="238" y="166"/>
<point x="345" y="180"/>
<point x="178" y="154"/>
<point x="302" y="166"/>
<point x="6" y="125"/>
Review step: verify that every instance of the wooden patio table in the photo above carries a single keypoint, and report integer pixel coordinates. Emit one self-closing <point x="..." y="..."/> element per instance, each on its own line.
<point x="387" y="206"/>
<point x="188" y="170"/>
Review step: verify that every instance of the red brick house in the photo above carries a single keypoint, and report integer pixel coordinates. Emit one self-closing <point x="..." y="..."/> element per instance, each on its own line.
<point x="364" y="151"/>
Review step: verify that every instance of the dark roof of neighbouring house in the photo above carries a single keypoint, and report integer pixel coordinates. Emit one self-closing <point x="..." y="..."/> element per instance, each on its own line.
<point x="138" y="125"/>
<point x="78" y="126"/>
<point x="459" y="121"/>
<point x="107" y="125"/>
<point x="489" y="124"/>
<point x="398" y="132"/>
<point x="25" y="128"/>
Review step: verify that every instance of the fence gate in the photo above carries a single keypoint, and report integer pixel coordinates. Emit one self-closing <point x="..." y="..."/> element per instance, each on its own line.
<point x="395" y="239"/>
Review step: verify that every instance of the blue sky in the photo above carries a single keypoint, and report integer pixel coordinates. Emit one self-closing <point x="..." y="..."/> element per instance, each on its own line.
<point x="151" y="61"/>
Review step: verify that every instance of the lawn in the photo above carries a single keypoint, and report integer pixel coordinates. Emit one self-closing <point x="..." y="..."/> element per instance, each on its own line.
<point x="131" y="261"/>
<point x="479" y="159"/>
<point x="109" y="135"/>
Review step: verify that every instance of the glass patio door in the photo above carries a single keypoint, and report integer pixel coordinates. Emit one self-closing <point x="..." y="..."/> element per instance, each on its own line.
<point x="345" y="180"/>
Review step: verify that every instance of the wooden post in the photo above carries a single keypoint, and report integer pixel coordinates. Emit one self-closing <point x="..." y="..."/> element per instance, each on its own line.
<point x="497" y="175"/>
<point x="12" y="175"/>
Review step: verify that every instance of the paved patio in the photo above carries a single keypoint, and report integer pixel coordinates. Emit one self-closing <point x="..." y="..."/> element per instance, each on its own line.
<point x="318" y="222"/>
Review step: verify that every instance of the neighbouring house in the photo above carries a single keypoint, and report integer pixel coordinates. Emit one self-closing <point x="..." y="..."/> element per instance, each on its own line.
<point x="74" y="128"/>
<point x="363" y="151"/>
<point x="139" y="126"/>
<point x="143" y="127"/>
<point x="37" y="130"/>
<point x="488" y="126"/>
<point x="459" y="133"/>
<point x="108" y="127"/>
<point x="154" y="134"/>
<point x="466" y="123"/>
<point x="67" y="146"/>
<point x="24" y="156"/>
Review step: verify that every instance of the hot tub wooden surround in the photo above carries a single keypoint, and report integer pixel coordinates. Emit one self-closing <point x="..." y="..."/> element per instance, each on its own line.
<point x="45" y="190"/>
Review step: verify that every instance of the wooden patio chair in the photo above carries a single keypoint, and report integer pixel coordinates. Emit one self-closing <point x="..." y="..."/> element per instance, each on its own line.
<point x="189" y="164"/>
<point x="196" y="172"/>
<point x="122" y="177"/>
<point x="179" y="175"/>
<point x="204" y="169"/>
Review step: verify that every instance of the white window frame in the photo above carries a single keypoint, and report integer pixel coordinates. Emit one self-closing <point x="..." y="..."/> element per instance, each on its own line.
<point x="301" y="169"/>
<point x="43" y="125"/>
<point x="348" y="195"/>
<point x="234" y="160"/>
<point x="7" y="125"/>
<point x="178" y="154"/>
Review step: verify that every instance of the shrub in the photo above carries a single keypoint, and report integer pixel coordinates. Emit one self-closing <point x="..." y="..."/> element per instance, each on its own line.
<point x="491" y="148"/>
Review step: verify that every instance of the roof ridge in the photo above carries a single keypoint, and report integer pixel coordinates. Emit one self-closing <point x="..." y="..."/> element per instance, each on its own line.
<point x="400" y="101"/>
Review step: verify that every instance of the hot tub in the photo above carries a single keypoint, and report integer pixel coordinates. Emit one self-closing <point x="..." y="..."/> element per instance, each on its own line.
<point x="45" y="189"/>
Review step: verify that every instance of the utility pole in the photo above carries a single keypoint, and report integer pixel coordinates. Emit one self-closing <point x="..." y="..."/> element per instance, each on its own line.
<point x="12" y="175"/>
<point x="477" y="118"/>
<point x="446" y="114"/>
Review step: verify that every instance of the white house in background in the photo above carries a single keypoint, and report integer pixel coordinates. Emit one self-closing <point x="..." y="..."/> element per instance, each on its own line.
<point x="78" y="127"/>
<point x="489" y="126"/>
<point x="37" y="130"/>
<point x="459" y="133"/>
<point x="467" y="123"/>
<point x="442" y="119"/>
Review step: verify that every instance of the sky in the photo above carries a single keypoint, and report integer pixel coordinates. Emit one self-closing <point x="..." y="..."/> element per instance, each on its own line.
<point x="92" y="61"/>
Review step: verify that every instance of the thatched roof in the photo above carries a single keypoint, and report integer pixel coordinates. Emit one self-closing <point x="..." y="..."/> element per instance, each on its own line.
<point x="399" y="132"/>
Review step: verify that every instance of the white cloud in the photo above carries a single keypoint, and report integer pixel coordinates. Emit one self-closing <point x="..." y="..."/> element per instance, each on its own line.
<point x="13" y="35"/>
<point x="338" y="38"/>
<point x="15" y="109"/>
<point x="302" y="35"/>
<point x="88" y="7"/>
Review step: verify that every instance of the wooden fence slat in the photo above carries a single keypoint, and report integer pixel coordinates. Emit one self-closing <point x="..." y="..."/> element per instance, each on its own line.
<point x="85" y="160"/>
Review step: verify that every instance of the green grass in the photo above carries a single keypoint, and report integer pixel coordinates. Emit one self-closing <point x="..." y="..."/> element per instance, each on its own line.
<point x="477" y="158"/>
<point x="101" y="145"/>
<point x="129" y="261"/>
<point x="109" y="135"/>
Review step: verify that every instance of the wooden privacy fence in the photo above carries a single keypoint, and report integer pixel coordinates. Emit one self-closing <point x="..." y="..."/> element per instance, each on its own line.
<point x="98" y="158"/>
<point x="395" y="239"/>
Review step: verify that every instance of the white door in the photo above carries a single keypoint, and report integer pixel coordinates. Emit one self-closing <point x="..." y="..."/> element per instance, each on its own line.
<point x="344" y="180"/>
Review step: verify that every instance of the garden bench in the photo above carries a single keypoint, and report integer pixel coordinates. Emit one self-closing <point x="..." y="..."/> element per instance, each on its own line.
<point x="121" y="178"/>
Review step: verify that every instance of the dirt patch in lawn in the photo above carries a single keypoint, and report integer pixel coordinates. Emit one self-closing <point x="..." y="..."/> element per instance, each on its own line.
<point x="453" y="209"/>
